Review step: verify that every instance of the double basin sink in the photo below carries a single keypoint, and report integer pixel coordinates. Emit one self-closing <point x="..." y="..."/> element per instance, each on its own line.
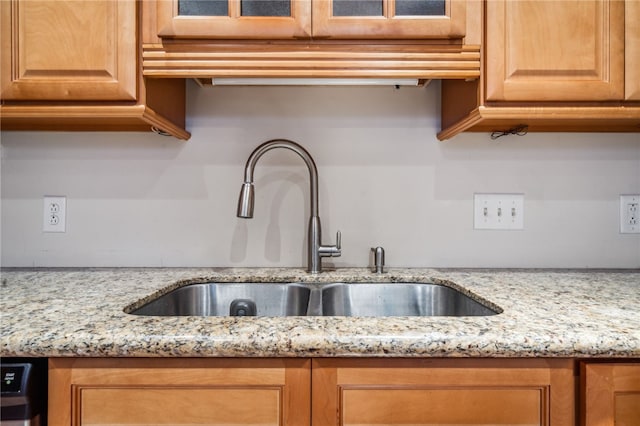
<point x="302" y="299"/>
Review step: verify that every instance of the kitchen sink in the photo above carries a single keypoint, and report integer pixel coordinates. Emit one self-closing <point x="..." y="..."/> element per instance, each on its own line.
<point x="301" y="299"/>
<point x="398" y="299"/>
<point x="231" y="299"/>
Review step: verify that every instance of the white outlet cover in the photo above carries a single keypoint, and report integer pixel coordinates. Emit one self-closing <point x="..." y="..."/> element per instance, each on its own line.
<point x="54" y="214"/>
<point x="630" y="214"/>
<point x="498" y="211"/>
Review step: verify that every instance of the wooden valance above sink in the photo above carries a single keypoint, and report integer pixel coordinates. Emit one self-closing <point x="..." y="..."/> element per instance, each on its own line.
<point x="306" y="45"/>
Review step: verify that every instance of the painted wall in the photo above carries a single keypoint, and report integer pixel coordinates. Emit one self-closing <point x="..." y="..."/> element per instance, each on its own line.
<point x="136" y="199"/>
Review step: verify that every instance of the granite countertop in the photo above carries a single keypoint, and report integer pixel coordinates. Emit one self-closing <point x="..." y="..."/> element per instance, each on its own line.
<point x="80" y="312"/>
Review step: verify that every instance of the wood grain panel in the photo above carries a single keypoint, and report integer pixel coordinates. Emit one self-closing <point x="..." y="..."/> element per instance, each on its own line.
<point x="296" y="60"/>
<point x="169" y="405"/>
<point x="627" y="406"/>
<point x="445" y="391"/>
<point x="179" y="391"/>
<point x="448" y="406"/>
<point x="632" y="50"/>
<point x="561" y="50"/>
<point x="69" y="50"/>
<point x="610" y="394"/>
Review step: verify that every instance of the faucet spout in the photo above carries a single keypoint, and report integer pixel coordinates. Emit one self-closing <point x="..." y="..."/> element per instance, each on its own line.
<point x="246" y="201"/>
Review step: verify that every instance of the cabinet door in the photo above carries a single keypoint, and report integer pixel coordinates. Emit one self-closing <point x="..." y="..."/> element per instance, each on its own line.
<point x="389" y="19"/>
<point x="234" y="19"/>
<point x="632" y="50"/>
<point x="555" y="50"/>
<point x="442" y="392"/>
<point x="263" y="392"/>
<point x="611" y="394"/>
<point x="69" y="50"/>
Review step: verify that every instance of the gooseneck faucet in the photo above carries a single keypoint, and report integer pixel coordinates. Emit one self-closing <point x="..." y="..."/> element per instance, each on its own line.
<point x="316" y="251"/>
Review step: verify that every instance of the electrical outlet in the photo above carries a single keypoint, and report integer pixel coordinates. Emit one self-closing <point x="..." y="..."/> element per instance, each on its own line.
<point x="55" y="214"/>
<point x="498" y="211"/>
<point x="630" y="214"/>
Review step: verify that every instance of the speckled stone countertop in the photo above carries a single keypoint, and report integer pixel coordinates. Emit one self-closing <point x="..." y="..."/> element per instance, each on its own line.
<point x="80" y="312"/>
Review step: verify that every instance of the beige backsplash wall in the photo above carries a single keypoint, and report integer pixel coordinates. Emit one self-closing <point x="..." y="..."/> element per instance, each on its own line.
<point x="136" y="199"/>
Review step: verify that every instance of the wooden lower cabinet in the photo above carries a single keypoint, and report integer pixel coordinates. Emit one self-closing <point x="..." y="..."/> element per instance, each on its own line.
<point x="443" y="392"/>
<point x="93" y="392"/>
<point x="317" y="392"/>
<point x="610" y="394"/>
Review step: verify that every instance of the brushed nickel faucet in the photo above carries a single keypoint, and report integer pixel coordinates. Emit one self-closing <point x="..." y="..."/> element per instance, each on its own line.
<point x="316" y="251"/>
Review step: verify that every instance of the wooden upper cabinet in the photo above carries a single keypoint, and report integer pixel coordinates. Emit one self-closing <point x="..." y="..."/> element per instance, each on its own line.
<point x="552" y="65"/>
<point x="234" y="19"/>
<point x="556" y="50"/>
<point x="75" y="65"/>
<point x="292" y="19"/>
<point x="69" y="50"/>
<point x="389" y="19"/>
<point x="610" y="394"/>
<point x="632" y="50"/>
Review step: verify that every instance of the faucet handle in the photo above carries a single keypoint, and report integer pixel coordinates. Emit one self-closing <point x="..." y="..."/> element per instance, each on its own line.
<point x="332" y="251"/>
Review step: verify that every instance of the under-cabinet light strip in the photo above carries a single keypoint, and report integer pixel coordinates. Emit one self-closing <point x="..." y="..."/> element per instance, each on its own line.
<point x="314" y="82"/>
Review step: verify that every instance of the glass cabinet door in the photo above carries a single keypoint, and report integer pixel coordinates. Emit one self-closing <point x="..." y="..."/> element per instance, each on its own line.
<point x="234" y="19"/>
<point x="399" y="19"/>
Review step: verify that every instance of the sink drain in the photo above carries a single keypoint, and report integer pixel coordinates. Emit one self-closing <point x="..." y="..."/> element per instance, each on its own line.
<point x="243" y="308"/>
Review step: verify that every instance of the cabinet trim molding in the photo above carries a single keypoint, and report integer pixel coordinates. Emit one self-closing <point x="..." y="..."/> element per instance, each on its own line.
<point x="421" y="61"/>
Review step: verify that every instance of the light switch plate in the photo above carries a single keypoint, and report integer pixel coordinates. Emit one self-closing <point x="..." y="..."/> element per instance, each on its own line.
<point x="630" y="214"/>
<point x="498" y="211"/>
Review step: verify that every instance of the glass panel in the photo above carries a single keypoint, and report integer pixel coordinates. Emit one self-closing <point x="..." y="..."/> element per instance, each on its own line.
<point x="357" y="7"/>
<point x="265" y="7"/>
<point x="420" y="7"/>
<point x="203" y="7"/>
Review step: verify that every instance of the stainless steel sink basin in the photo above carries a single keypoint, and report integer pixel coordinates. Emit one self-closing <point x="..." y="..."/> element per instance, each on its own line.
<point x="398" y="299"/>
<point x="297" y="299"/>
<point x="231" y="299"/>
